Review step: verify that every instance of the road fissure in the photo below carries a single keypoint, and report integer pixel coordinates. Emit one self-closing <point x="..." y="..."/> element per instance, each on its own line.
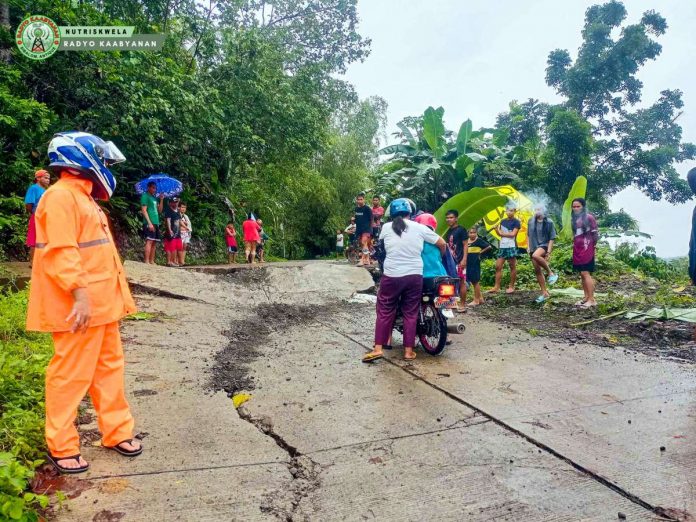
<point x="658" y="510"/>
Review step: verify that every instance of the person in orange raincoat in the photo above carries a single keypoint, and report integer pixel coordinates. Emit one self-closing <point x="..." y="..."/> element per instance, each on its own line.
<point x="79" y="293"/>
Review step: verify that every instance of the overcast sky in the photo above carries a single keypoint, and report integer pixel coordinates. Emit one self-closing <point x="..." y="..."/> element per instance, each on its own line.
<point x="472" y="58"/>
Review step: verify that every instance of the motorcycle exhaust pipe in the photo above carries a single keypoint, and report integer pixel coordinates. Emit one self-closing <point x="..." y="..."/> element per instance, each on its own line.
<point x="456" y="328"/>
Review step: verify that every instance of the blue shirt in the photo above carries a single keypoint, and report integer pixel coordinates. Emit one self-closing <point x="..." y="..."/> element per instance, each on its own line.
<point x="432" y="261"/>
<point x="33" y="196"/>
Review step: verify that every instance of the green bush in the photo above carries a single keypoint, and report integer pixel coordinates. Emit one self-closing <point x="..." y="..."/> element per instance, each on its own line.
<point x="23" y="360"/>
<point x="607" y="267"/>
<point x="646" y="262"/>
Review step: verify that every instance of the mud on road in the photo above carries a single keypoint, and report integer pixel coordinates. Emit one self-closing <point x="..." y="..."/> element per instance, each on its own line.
<point x="231" y="371"/>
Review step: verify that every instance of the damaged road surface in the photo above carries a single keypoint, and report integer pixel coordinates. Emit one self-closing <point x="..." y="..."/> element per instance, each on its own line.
<point x="502" y="426"/>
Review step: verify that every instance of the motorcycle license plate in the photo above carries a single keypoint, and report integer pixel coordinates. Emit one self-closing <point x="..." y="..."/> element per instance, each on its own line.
<point x="445" y="302"/>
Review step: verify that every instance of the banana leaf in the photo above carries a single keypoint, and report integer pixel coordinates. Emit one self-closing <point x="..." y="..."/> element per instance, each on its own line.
<point x="472" y="206"/>
<point x="407" y="133"/>
<point x="393" y="149"/>
<point x="676" y="314"/>
<point x="578" y="190"/>
<point x="463" y="137"/>
<point x="434" y="130"/>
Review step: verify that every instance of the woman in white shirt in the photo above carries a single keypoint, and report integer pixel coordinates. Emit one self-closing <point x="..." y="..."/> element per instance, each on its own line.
<point x="402" y="278"/>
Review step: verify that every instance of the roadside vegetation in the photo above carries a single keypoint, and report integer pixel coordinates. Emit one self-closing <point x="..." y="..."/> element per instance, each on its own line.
<point x="23" y="360"/>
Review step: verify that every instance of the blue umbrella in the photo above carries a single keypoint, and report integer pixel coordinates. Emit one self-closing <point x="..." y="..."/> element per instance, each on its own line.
<point x="166" y="186"/>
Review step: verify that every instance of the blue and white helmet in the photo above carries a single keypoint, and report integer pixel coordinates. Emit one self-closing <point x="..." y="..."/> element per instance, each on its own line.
<point x="90" y="156"/>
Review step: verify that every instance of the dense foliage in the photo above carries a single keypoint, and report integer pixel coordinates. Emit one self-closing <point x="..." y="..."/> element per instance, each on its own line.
<point x="242" y="105"/>
<point x="23" y="360"/>
<point x="595" y="132"/>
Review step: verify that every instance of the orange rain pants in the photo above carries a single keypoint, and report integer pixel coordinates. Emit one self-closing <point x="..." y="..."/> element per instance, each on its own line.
<point x="86" y="362"/>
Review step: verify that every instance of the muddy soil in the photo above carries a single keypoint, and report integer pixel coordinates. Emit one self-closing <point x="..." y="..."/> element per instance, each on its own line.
<point x="231" y="368"/>
<point x="556" y="319"/>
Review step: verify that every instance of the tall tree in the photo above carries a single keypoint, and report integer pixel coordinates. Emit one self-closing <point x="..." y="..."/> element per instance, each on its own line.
<point x="632" y="147"/>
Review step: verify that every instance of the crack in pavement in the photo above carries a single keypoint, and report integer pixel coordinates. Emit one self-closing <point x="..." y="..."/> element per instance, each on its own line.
<point x="399" y="437"/>
<point x="303" y="470"/>
<point x="658" y="510"/>
<point x="188" y="470"/>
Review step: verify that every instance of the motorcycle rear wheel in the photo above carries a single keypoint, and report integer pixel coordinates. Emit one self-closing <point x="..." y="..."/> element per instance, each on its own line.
<point x="432" y="329"/>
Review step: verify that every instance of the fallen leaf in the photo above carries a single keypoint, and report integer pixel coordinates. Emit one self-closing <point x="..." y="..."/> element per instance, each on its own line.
<point x="376" y="460"/>
<point x="240" y="398"/>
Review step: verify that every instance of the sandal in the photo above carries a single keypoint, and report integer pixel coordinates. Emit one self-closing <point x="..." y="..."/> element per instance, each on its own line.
<point x="387" y="346"/>
<point x="410" y="358"/>
<point x="125" y="452"/>
<point x="581" y="302"/>
<point x="372" y="357"/>
<point x="64" y="470"/>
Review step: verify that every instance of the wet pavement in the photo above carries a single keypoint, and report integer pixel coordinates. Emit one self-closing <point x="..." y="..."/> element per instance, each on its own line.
<point x="502" y="426"/>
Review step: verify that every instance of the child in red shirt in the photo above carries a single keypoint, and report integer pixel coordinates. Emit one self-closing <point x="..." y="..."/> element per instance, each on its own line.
<point x="231" y="240"/>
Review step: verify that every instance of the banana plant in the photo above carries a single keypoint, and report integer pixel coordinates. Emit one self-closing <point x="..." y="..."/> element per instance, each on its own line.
<point x="431" y="163"/>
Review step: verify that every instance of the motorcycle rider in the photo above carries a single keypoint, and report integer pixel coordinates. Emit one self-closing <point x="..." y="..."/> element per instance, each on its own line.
<point x="402" y="279"/>
<point x="432" y="257"/>
<point x="79" y="293"/>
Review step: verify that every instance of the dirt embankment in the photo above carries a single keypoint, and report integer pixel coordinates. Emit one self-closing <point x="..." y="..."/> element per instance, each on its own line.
<point x="561" y="319"/>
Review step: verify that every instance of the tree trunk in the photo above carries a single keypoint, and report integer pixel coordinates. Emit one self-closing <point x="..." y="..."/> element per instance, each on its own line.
<point x="5" y="51"/>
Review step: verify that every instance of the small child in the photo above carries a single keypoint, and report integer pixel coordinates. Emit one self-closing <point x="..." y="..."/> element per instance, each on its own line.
<point x="507" y="230"/>
<point x="231" y="241"/>
<point x="350" y="230"/>
<point x="339" y="243"/>
<point x="477" y="246"/>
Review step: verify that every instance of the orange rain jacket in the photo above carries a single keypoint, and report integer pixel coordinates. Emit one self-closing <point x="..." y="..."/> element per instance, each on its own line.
<point x="74" y="249"/>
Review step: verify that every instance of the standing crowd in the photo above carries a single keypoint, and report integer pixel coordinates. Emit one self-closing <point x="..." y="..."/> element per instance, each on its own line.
<point x="413" y="254"/>
<point x="178" y="231"/>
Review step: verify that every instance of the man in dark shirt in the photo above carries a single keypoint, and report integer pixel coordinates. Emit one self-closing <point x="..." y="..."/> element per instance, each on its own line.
<point x="363" y="228"/>
<point x="456" y="238"/>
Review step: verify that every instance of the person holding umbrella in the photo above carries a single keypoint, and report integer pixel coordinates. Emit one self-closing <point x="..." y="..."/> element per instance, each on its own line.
<point x="151" y="208"/>
<point x="156" y="186"/>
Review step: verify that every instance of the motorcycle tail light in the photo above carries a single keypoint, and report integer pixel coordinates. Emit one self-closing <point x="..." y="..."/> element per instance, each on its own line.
<point x="446" y="291"/>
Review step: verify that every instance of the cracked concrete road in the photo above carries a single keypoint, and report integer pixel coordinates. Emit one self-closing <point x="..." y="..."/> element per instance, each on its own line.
<point x="503" y="426"/>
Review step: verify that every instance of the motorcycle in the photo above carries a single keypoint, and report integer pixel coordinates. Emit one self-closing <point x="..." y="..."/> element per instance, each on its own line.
<point x="438" y="300"/>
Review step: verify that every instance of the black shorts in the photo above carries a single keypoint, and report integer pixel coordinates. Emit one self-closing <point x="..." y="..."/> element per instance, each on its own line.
<point x="544" y="247"/>
<point x="151" y="235"/>
<point x="587" y="267"/>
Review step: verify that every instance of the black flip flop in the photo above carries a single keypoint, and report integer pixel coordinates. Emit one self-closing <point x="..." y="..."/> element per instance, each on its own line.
<point x="387" y="346"/>
<point x="67" y="471"/>
<point x="117" y="448"/>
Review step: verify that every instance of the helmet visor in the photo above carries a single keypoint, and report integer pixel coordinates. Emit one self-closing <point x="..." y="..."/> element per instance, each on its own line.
<point x="110" y="154"/>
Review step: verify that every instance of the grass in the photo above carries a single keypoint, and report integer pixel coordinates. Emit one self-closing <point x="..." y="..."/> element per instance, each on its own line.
<point x="23" y="360"/>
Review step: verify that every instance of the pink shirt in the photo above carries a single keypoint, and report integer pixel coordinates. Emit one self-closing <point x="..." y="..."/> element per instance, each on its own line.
<point x="251" y="230"/>
<point x="377" y="213"/>
<point x="585" y="239"/>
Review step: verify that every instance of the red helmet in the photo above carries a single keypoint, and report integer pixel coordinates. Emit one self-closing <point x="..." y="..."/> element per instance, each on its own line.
<point x="428" y="220"/>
